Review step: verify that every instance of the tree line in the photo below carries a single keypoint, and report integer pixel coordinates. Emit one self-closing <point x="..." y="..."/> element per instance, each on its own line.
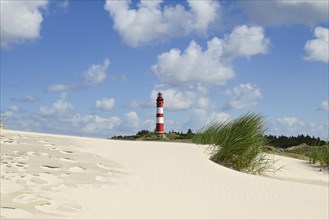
<point x="284" y="141"/>
<point x="275" y="141"/>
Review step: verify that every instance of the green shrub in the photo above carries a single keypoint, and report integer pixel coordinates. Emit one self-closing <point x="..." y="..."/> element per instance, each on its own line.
<point x="313" y="155"/>
<point x="320" y="155"/>
<point x="324" y="156"/>
<point x="207" y="135"/>
<point x="238" y="143"/>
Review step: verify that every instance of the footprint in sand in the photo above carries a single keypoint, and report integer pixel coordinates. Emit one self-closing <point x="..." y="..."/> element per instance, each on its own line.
<point x="32" y="201"/>
<point x="22" y="157"/>
<point x="8" y="141"/>
<point x="67" y="151"/>
<point x="21" y="167"/>
<point x="117" y="171"/>
<point x="42" y="141"/>
<point x="32" y="153"/>
<point x="58" y="204"/>
<point x="101" y="165"/>
<point x="66" y="159"/>
<point x="77" y="169"/>
<point x="51" y="147"/>
<point x="44" y="180"/>
<point x="111" y="170"/>
<point x="27" y="198"/>
<point x="24" y="136"/>
<point x="51" y="168"/>
<point x="38" y="180"/>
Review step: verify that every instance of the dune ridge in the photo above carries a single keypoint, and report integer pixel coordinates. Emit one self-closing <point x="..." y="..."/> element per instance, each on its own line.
<point x="56" y="176"/>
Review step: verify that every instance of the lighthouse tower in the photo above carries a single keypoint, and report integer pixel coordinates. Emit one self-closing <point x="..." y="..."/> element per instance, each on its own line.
<point x="159" y="115"/>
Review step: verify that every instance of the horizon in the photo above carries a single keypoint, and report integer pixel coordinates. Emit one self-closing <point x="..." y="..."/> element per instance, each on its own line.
<point x="152" y="132"/>
<point x="93" y="68"/>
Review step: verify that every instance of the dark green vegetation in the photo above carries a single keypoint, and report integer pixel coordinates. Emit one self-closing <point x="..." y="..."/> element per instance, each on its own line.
<point x="145" y="135"/>
<point x="284" y="141"/>
<point x="281" y="141"/>
<point x="314" y="154"/>
<point x="301" y="147"/>
<point x="238" y="143"/>
<point x="320" y="155"/>
<point x="298" y="152"/>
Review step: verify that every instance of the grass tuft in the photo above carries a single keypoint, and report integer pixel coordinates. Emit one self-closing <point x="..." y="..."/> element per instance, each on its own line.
<point x="320" y="155"/>
<point x="238" y="143"/>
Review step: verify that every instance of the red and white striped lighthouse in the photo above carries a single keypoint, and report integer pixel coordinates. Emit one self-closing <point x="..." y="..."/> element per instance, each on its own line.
<point x="159" y="115"/>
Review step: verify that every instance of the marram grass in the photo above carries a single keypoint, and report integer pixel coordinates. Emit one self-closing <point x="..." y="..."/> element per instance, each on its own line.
<point x="320" y="155"/>
<point x="238" y="143"/>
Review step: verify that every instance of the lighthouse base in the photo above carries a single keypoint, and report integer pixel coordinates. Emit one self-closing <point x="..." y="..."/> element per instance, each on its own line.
<point x="159" y="129"/>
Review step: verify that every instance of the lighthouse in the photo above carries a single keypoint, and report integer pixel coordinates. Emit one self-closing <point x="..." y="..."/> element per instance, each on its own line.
<point x="159" y="115"/>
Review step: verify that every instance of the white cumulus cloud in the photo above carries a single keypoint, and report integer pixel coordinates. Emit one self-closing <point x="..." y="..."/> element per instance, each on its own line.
<point x="151" y="22"/>
<point x="324" y="106"/>
<point x="14" y="108"/>
<point x="132" y="120"/>
<point x="92" y="124"/>
<point x="243" y="96"/>
<point x="182" y="98"/>
<point x="105" y="104"/>
<point x="193" y="65"/>
<point x="10" y="112"/>
<point x="176" y="99"/>
<point x="291" y="121"/>
<point x="197" y="118"/>
<point x="59" y="108"/>
<point x="20" y="20"/>
<point x="318" y="48"/>
<point x="292" y="126"/>
<point x="65" y="4"/>
<point x="58" y="88"/>
<point x="96" y="73"/>
<point x="245" y="41"/>
<point x="204" y="103"/>
<point x="211" y="66"/>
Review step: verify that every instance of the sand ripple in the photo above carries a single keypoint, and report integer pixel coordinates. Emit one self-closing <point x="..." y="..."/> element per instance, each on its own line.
<point x="36" y="170"/>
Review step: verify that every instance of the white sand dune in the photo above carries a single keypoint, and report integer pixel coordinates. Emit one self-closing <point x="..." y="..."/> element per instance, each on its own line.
<point x="52" y="176"/>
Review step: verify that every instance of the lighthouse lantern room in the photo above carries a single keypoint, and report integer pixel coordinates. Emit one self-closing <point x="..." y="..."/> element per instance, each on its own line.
<point x="159" y="115"/>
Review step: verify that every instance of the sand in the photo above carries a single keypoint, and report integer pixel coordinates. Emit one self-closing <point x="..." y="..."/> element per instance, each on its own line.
<point x="47" y="176"/>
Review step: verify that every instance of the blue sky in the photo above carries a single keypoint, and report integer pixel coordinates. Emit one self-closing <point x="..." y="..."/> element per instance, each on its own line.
<point x="93" y="68"/>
